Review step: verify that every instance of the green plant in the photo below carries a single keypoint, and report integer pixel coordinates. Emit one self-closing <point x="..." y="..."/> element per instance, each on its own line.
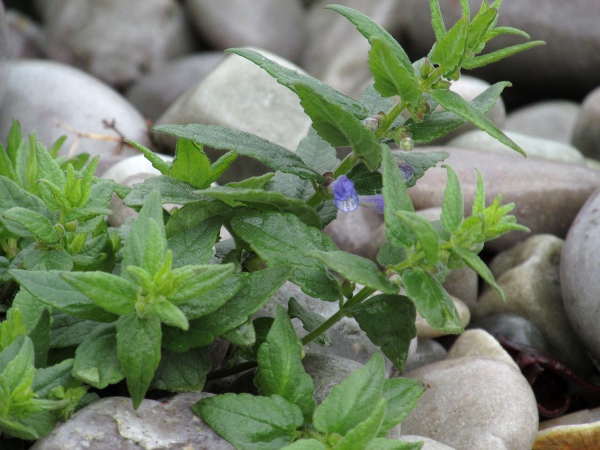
<point x="143" y="303"/>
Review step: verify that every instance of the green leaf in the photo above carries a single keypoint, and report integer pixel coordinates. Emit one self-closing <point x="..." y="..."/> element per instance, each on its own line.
<point x="191" y="282"/>
<point x="450" y="51"/>
<point x="474" y="262"/>
<point x="261" y="327"/>
<point x="138" y="350"/>
<point x="247" y="144"/>
<point x="479" y="201"/>
<point x="243" y="335"/>
<point x="182" y="372"/>
<point x="48" y="259"/>
<point x="48" y="169"/>
<point x="395" y="198"/>
<point x="96" y="360"/>
<point x="363" y="433"/>
<point x="290" y="185"/>
<point x="171" y="191"/>
<point x="263" y="201"/>
<point x="402" y="395"/>
<point x="6" y="166"/>
<point x="47" y="378"/>
<point x="284" y="239"/>
<point x="18" y="373"/>
<point x="352" y="401"/>
<point x="426" y="234"/>
<point x="365" y="181"/>
<point x="11" y="195"/>
<point x="221" y="165"/>
<point x="191" y="242"/>
<point x="437" y="21"/>
<point x="393" y="444"/>
<point x="481" y="24"/>
<point x="69" y="331"/>
<point x="280" y="369"/>
<point x="168" y="313"/>
<point x="453" y="205"/>
<point x="306" y="444"/>
<point x="191" y="164"/>
<point x="497" y="31"/>
<point x="215" y="298"/>
<point x="432" y="301"/>
<point x="420" y="162"/>
<point x="260" y="182"/>
<point x="40" y="336"/>
<point x="389" y="321"/>
<point x="157" y="162"/>
<point x="50" y="289"/>
<point x="451" y="101"/>
<point x="355" y="268"/>
<point x="317" y="153"/>
<point x="484" y="60"/>
<point x="110" y="292"/>
<point x="310" y="320"/>
<point x="375" y="102"/>
<point x="35" y="223"/>
<point x="251" y="423"/>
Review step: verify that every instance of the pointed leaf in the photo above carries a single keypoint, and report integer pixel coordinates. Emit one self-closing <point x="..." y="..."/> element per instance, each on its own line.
<point x="191" y="164"/>
<point x="171" y="191"/>
<point x="453" y="205"/>
<point x="221" y="165"/>
<point x="213" y="299"/>
<point x="363" y="433"/>
<point x="475" y="263"/>
<point x="426" y="234"/>
<point x="35" y="223"/>
<point x="437" y="21"/>
<point x="310" y="320"/>
<point x="157" y="162"/>
<point x="192" y="282"/>
<point x="484" y="60"/>
<point x="191" y="241"/>
<point x="96" y="360"/>
<point x="182" y="372"/>
<point x="479" y="201"/>
<point x="450" y="51"/>
<point x="402" y="395"/>
<point x="317" y="153"/>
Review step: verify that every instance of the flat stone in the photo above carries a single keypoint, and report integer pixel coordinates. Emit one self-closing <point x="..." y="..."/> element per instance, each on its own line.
<point x="480" y="343"/>
<point x="112" y="423"/>
<point x="474" y="403"/>
<point x="534" y="147"/>
<point x="586" y="131"/>
<point x="542" y="205"/>
<point x="550" y="119"/>
<point x="54" y="99"/>
<point x="529" y="276"/>
<point x="353" y="231"/>
<point x="98" y="37"/>
<point x="428" y="444"/>
<point x="276" y="26"/>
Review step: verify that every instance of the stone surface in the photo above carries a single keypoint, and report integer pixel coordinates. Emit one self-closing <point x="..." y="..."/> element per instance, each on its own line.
<point x="428" y="444"/>
<point x="54" y="99"/>
<point x="111" y="423"/>
<point x="551" y="119"/>
<point x="480" y="343"/>
<point x="25" y="37"/>
<point x="240" y="95"/>
<point x="275" y="25"/>
<point x="474" y="403"/>
<point x="542" y="206"/>
<point x="586" y="131"/>
<point x="428" y="351"/>
<point x="534" y="147"/>
<point x="579" y="268"/>
<point x="529" y="276"/>
<point x="153" y="93"/>
<point x="98" y="37"/>
<point x="4" y="51"/>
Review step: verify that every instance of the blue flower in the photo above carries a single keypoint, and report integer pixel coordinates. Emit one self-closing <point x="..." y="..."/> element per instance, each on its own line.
<point x="344" y="194"/>
<point x="372" y="201"/>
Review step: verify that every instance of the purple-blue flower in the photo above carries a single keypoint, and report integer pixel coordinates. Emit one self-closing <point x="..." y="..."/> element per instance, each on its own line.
<point x="345" y="197"/>
<point x="372" y="201"/>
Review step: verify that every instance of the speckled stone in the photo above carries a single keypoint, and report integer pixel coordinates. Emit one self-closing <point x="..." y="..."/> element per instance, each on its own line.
<point x="586" y="131"/>
<point x="480" y="343"/>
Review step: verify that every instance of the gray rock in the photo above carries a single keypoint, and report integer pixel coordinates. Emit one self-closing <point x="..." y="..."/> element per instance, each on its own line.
<point x="153" y="93"/>
<point x="54" y="99"/>
<point x="579" y="268"/>
<point x="480" y="343"/>
<point x="542" y="205"/>
<point x="4" y="51"/>
<point x="25" y="37"/>
<point x="115" y="41"/>
<point x="535" y="147"/>
<point x="111" y="423"/>
<point x="337" y="53"/>
<point x="275" y="25"/>
<point x="586" y="131"/>
<point x="529" y="276"/>
<point x="568" y="28"/>
<point x="428" y="351"/>
<point x="428" y="444"/>
<point x="474" y="403"/>
<point x="240" y="95"/>
<point x="551" y="119"/>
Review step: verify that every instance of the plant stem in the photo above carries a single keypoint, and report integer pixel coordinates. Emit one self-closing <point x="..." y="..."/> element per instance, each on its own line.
<point x="389" y="120"/>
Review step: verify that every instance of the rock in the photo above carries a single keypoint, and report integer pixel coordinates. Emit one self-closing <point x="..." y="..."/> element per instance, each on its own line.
<point x="240" y="95"/>
<point x="276" y="26"/>
<point x="153" y="93"/>
<point x="569" y="30"/>
<point x="26" y="38"/>
<point x="543" y="206"/>
<point x="428" y="444"/>
<point x="474" y="403"/>
<point x="4" y="51"/>
<point x="551" y="119"/>
<point x="529" y="276"/>
<point x="426" y="331"/>
<point x="586" y="131"/>
<point x="535" y="147"/>
<point x="337" y="53"/>
<point x="113" y="40"/>
<point x="353" y="231"/>
<point x="579" y="268"/>
<point x="54" y="99"/>
<point x="111" y="423"/>
<point x="480" y="343"/>
<point x="428" y="351"/>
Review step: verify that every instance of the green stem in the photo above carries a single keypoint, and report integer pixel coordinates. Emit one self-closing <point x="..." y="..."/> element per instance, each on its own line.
<point x="345" y="166"/>
<point x="389" y="120"/>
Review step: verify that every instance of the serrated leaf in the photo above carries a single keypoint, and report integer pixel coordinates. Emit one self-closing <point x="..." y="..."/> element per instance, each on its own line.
<point x="389" y="321"/>
<point x="191" y="242"/>
<point x="484" y="60"/>
<point x="475" y="263"/>
<point x="157" y="162"/>
<point x="50" y="289"/>
<point x="247" y="144"/>
<point x="317" y="153"/>
<point x="290" y="185"/>
<point x="263" y="201"/>
<point x="355" y="268"/>
<point x="420" y="162"/>
<point x="310" y="320"/>
<point x="171" y="191"/>
<point x="110" y="292"/>
<point x="374" y="101"/>
<point x="390" y="254"/>
<point x="363" y="433"/>
<point x="450" y="51"/>
<point x="280" y="369"/>
<point x="249" y="422"/>
<point x="432" y="301"/>
<point x="35" y="223"/>
<point x="284" y="239"/>
<point x="11" y="195"/>
<point x="453" y="205"/>
<point x="48" y="169"/>
<point x="138" y="350"/>
<point x="402" y="395"/>
<point x="48" y="259"/>
<point x="182" y="372"/>
<point x="191" y="164"/>
<point x="352" y="401"/>
<point x="451" y="101"/>
<point x="96" y="360"/>
<point x="190" y="282"/>
<point x="69" y="331"/>
<point x="426" y="234"/>
<point x="395" y="198"/>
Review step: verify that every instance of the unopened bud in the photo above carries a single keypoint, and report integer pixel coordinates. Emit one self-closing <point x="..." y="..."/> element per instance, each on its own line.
<point x="372" y="123"/>
<point x="407" y="143"/>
